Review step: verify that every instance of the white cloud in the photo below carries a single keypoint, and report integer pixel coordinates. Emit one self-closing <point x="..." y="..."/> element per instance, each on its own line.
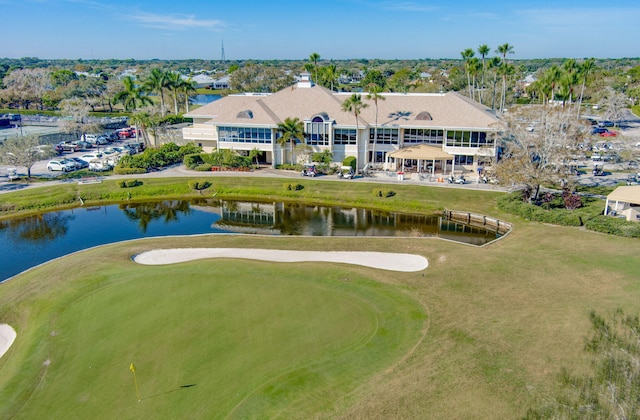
<point x="173" y="22"/>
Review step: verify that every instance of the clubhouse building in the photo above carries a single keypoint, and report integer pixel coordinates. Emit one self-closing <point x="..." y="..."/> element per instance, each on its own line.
<point x="438" y="132"/>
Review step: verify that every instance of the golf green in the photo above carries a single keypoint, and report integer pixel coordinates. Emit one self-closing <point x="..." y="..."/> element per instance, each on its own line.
<point x="213" y="338"/>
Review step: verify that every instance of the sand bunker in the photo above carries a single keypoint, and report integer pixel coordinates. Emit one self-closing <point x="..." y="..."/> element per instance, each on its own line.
<point x="7" y="337"/>
<point x="381" y="260"/>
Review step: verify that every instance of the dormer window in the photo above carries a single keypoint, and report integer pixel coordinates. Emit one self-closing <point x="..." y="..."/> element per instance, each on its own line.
<point x="424" y="116"/>
<point x="318" y="130"/>
<point x="245" y="114"/>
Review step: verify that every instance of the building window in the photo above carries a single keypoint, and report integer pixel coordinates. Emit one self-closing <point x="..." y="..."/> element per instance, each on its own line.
<point x="317" y="132"/>
<point x="244" y="135"/>
<point x="468" y="139"/>
<point x="344" y="136"/>
<point x="463" y="160"/>
<point x="423" y="135"/>
<point x="385" y="135"/>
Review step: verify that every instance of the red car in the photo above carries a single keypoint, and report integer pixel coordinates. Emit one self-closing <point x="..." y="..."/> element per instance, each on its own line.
<point x="609" y="134"/>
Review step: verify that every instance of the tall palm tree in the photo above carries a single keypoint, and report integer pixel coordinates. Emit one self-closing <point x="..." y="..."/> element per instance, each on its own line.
<point x="331" y="74"/>
<point x="474" y="68"/>
<point x="314" y="57"/>
<point x="483" y="50"/>
<point x="494" y="64"/>
<point x="375" y="96"/>
<point x="355" y="105"/>
<point x="584" y="69"/>
<point x="157" y="82"/>
<point x="503" y="50"/>
<point x="466" y="56"/>
<point x="187" y="87"/>
<point x="175" y="80"/>
<point x="291" y="129"/>
<point x="132" y="97"/>
<point x="552" y="77"/>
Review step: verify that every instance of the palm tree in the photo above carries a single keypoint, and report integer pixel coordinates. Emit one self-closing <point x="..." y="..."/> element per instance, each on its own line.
<point x="473" y="68"/>
<point x="504" y="49"/>
<point x="331" y="74"/>
<point x="186" y="88"/>
<point x="584" y="70"/>
<point x="552" y="77"/>
<point x="174" y="80"/>
<point x="354" y="104"/>
<point x="494" y="63"/>
<point x="483" y="50"/>
<point x="375" y="96"/>
<point x="132" y="97"/>
<point x="157" y="81"/>
<point x="314" y="57"/>
<point x="292" y="129"/>
<point x="466" y="56"/>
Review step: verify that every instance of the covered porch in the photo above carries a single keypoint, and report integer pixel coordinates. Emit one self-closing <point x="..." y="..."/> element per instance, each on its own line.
<point x="429" y="159"/>
<point x="625" y="201"/>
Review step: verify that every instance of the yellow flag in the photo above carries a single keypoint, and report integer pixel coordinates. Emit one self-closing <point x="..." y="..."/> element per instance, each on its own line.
<point x="132" y="367"/>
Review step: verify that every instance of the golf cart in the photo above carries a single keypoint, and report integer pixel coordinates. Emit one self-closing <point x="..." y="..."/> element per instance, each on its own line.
<point x="346" y="172"/>
<point x="309" y="170"/>
<point x="598" y="169"/>
<point x="456" y="180"/>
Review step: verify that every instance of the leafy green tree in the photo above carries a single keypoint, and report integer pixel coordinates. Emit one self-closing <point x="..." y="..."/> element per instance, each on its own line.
<point x="355" y="105"/>
<point x="375" y="77"/>
<point x="291" y="129"/>
<point x="131" y="96"/>
<point x="375" y="95"/>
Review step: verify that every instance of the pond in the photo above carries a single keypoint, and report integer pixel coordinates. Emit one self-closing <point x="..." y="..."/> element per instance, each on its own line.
<point x="204" y="98"/>
<point x="36" y="239"/>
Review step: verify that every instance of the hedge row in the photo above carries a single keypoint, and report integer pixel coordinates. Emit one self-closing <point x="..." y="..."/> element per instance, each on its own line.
<point x="590" y="217"/>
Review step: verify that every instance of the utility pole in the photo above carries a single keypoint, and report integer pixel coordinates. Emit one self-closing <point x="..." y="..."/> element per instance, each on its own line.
<point x="222" y="57"/>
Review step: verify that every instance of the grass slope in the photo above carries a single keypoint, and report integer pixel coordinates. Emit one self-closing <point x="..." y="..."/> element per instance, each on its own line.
<point x="208" y="339"/>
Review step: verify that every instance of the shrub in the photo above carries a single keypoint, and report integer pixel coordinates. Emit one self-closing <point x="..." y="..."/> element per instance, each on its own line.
<point x="203" y="167"/>
<point x="383" y="193"/>
<point x="193" y="160"/>
<point x="199" y="185"/>
<point x="128" y="171"/>
<point x="555" y="214"/>
<point x="129" y="183"/>
<point x="350" y="161"/>
<point x="294" y="187"/>
<point x="614" y="226"/>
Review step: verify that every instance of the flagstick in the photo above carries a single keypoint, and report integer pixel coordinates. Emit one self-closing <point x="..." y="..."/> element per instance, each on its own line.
<point x="132" y="368"/>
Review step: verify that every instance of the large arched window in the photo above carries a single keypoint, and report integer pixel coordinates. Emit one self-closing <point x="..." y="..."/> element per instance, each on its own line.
<point x="317" y="130"/>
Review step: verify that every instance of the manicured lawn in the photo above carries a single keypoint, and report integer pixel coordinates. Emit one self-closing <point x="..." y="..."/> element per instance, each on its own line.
<point x="207" y="338"/>
<point x="481" y="333"/>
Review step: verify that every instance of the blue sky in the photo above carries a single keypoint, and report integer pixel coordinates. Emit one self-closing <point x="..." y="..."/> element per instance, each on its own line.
<point x="335" y="29"/>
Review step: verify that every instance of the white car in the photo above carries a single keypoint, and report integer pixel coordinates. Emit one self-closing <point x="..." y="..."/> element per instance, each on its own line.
<point x="88" y="157"/>
<point x="61" y="165"/>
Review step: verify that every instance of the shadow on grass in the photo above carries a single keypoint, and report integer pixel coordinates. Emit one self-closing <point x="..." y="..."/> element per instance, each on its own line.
<point x="181" y="387"/>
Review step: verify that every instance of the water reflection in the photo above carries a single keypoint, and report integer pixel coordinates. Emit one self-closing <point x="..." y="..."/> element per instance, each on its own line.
<point x="32" y="240"/>
<point x="38" y="228"/>
<point x="145" y="213"/>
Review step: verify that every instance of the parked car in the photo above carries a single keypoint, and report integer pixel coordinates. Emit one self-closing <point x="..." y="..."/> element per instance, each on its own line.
<point x="88" y="157"/>
<point x="80" y="164"/>
<point x="69" y="147"/>
<point x="606" y="124"/>
<point x="598" y="130"/>
<point x="83" y="145"/>
<point x="61" y="165"/>
<point x="91" y="138"/>
<point x="99" y="165"/>
<point x="608" y="133"/>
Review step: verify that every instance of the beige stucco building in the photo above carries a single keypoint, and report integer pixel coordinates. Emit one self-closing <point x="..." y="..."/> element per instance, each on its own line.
<point x="459" y="126"/>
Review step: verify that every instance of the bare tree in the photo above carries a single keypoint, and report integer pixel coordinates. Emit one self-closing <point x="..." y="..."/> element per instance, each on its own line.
<point x="22" y="151"/>
<point x="540" y="157"/>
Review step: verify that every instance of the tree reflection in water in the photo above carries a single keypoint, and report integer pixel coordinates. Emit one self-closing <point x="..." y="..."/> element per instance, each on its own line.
<point x="38" y="228"/>
<point x="144" y="213"/>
